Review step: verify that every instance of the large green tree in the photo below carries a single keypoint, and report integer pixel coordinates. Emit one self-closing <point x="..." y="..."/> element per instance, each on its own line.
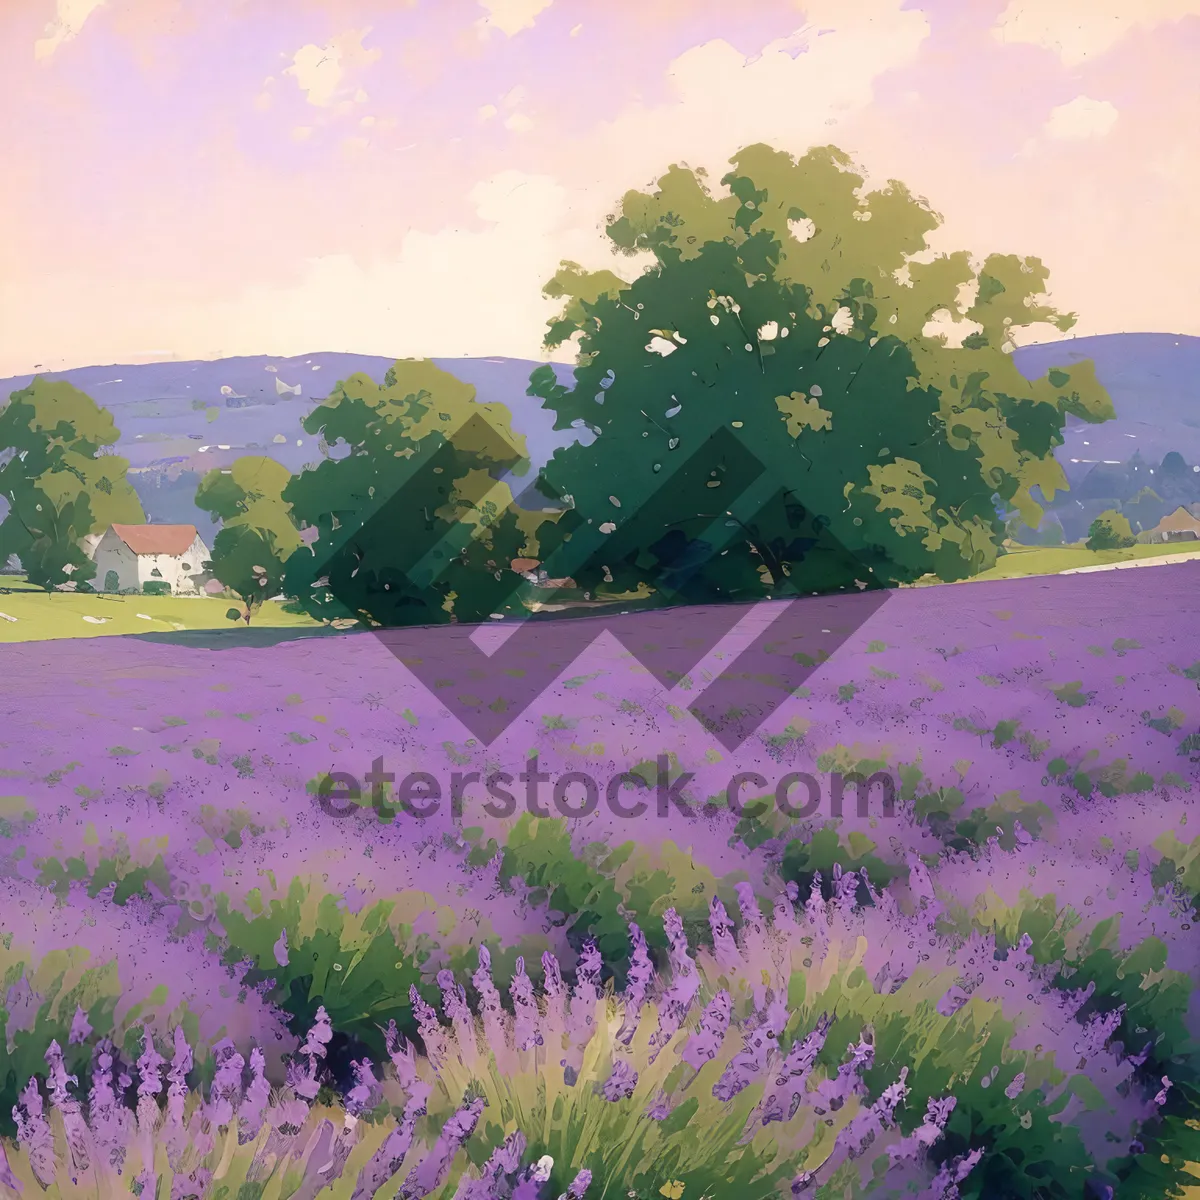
<point x="257" y="535"/>
<point x="410" y="521"/>
<point x="61" y="481"/>
<point x="870" y="381"/>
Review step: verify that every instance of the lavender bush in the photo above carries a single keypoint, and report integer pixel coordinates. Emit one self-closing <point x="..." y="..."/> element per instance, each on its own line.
<point x="824" y="1049"/>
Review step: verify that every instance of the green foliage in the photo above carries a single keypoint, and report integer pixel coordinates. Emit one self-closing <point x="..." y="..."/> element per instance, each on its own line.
<point x="257" y="534"/>
<point x="596" y="890"/>
<point x="156" y="587"/>
<point x="539" y="854"/>
<point x="59" y="480"/>
<point x="700" y="1144"/>
<point x="360" y="966"/>
<point x="1110" y="531"/>
<point x="55" y="984"/>
<point x="424" y="458"/>
<point x="819" y="853"/>
<point x="790" y="314"/>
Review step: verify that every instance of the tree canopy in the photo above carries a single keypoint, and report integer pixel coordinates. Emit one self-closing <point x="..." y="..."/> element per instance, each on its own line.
<point x="1110" y="531"/>
<point x="257" y="534"/>
<point x="883" y="427"/>
<point x="61" y="481"/>
<point x="409" y="514"/>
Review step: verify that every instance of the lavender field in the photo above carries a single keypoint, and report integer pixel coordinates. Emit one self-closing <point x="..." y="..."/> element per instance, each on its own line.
<point x="169" y="864"/>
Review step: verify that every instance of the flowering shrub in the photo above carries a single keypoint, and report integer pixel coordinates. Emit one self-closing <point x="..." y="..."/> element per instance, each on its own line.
<point x="89" y="966"/>
<point x="829" y="1049"/>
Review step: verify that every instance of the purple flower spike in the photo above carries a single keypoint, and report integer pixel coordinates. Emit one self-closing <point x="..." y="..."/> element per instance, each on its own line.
<point x="431" y="1171"/>
<point x="34" y="1134"/>
<point x="621" y="1083"/>
<point x="705" y="1044"/>
<point x="526" y="1018"/>
<point x="639" y="981"/>
<point x="81" y="1030"/>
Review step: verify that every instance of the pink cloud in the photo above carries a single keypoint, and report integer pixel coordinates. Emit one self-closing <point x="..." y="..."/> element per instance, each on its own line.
<point x="159" y="188"/>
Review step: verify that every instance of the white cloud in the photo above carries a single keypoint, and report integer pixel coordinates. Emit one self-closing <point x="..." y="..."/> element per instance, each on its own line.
<point x="510" y="16"/>
<point x="322" y="72"/>
<point x="1078" y="30"/>
<point x="478" y="291"/>
<point x="449" y="292"/>
<point x="791" y="95"/>
<point x="69" y="18"/>
<point x="1083" y="117"/>
<point x="516" y="121"/>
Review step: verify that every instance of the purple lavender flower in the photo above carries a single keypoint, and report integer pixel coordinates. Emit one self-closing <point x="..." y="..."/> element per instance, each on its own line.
<point x="362" y="1096"/>
<point x="492" y="1183"/>
<point x="685" y="983"/>
<point x="621" y="1083"/>
<point x="581" y="1019"/>
<point x="59" y="1084"/>
<point x="705" y="1044"/>
<point x="526" y="1034"/>
<point x="491" y="1010"/>
<point x="554" y="991"/>
<point x="193" y="1186"/>
<point x="254" y="1102"/>
<point x="786" y="1093"/>
<point x="937" y="1113"/>
<point x="327" y="1153"/>
<point x="387" y="1160"/>
<point x="107" y="1119"/>
<point x="831" y="1094"/>
<point x="280" y="949"/>
<point x="437" y="1046"/>
<point x="845" y="890"/>
<point x="404" y="1063"/>
<point x="431" y="1171"/>
<point x="530" y="1185"/>
<point x="945" y="1182"/>
<point x="81" y="1030"/>
<point x="225" y="1093"/>
<point x="177" y="1091"/>
<point x="638" y="983"/>
<point x="7" y="1178"/>
<point x="758" y="1045"/>
<point x="725" y="948"/>
<point x="34" y="1134"/>
<point x="578" y="1186"/>
<point x="455" y="1006"/>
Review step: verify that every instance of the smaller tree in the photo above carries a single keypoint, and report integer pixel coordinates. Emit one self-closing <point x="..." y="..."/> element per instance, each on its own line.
<point x="61" y="481"/>
<point x="1110" y="531"/>
<point x="257" y="533"/>
<point x="413" y="522"/>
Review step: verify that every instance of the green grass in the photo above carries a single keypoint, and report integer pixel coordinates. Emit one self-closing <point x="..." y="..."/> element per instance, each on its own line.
<point x="1050" y="560"/>
<point x="40" y="616"/>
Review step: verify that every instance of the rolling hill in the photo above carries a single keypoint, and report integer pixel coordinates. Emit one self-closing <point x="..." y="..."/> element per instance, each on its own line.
<point x="181" y="419"/>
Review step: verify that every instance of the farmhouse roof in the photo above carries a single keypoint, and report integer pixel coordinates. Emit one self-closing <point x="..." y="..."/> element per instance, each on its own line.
<point x="157" y="539"/>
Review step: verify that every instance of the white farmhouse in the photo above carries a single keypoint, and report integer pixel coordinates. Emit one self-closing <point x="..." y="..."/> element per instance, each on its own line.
<point x="128" y="557"/>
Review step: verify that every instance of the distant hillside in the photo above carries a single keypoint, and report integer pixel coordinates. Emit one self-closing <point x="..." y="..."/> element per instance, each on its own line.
<point x="181" y="419"/>
<point x="1154" y="381"/>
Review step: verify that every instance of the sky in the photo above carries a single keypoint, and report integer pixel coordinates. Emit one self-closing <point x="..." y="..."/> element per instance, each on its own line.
<point x="204" y="178"/>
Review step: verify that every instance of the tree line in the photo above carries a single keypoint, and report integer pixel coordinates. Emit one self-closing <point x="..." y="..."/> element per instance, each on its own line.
<point x="792" y="394"/>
